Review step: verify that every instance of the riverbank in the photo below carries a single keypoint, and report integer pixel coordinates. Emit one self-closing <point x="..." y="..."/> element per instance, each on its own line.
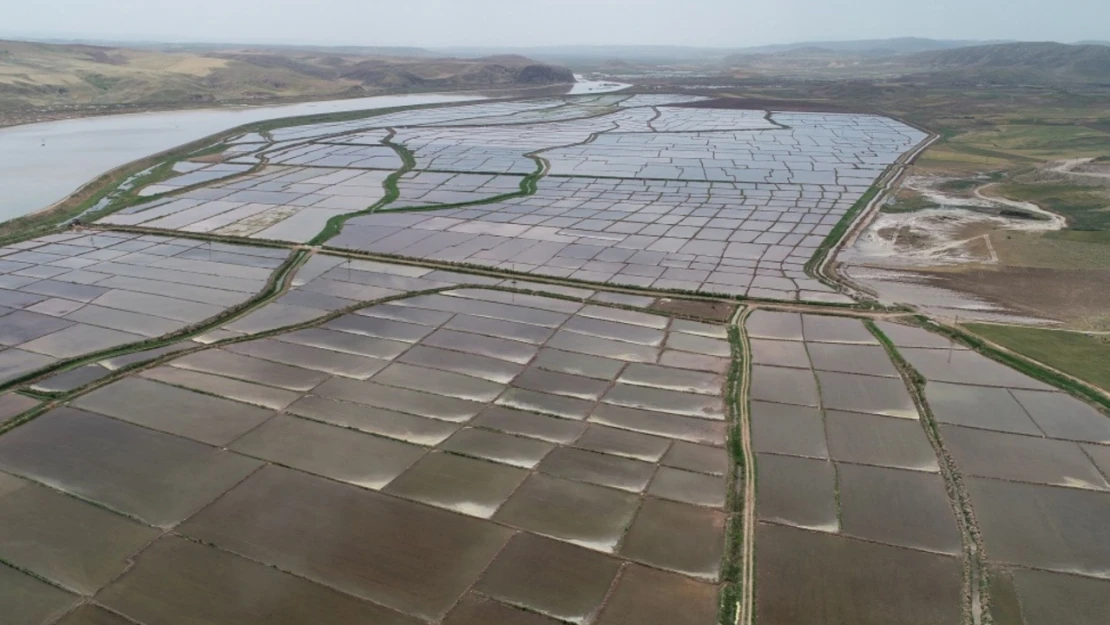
<point x="29" y="116"/>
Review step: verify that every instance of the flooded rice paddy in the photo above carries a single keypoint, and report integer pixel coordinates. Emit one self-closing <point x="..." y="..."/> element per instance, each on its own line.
<point x="68" y="295"/>
<point x="874" y="583"/>
<point x="847" y="481"/>
<point x="360" y="471"/>
<point x="41" y="163"/>
<point x="1034" y="462"/>
<point x="391" y="443"/>
<point x="628" y="190"/>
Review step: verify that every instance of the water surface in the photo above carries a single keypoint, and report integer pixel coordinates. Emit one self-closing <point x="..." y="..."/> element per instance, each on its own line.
<point x="41" y="164"/>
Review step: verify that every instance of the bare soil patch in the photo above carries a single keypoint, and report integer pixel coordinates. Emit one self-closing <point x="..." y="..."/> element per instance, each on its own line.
<point x="715" y="311"/>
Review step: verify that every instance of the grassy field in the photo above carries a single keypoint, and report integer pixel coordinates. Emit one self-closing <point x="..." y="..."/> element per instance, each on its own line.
<point x="1084" y="207"/>
<point x="1084" y="356"/>
<point x="908" y="203"/>
<point x="1041" y="141"/>
<point x="1066" y="249"/>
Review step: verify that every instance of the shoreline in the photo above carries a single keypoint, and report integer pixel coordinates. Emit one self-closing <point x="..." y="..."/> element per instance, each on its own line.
<point x="31" y="116"/>
<point x="91" y="190"/>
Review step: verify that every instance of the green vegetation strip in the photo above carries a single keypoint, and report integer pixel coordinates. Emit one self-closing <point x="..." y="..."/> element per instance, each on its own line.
<point x="1083" y="207"/>
<point x="838" y="233"/>
<point x="1086" y="357"/>
<point x="110" y="184"/>
<point x="509" y="274"/>
<point x="275" y="286"/>
<point x="48" y="220"/>
<point x="976" y="582"/>
<point x="392" y="192"/>
<point x="127" y="193"/>
<point x="738" y="583"/>
<point x="1023" y="364"/>
<point x="53" y="399"/>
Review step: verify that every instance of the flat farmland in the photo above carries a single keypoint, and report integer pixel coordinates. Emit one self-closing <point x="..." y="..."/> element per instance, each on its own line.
<point x="533" y="362"/>
<point x="465" y="453"/>
<point x="847" y="480"/>
<point x="626" y="190"/>
<point x="1033" y="462"/>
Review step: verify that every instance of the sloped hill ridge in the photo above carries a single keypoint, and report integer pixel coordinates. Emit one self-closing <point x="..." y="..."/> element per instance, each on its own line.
<point x="1081" y="61"/>
<point x="863" y="47"/>
<point x="53" y="75"/>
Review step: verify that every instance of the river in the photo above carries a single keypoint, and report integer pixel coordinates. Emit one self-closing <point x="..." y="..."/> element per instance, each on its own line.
<point x="41" y="164"/>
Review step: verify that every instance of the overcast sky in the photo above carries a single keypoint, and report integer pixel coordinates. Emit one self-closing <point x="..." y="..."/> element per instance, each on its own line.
<point x="719" y="23"/>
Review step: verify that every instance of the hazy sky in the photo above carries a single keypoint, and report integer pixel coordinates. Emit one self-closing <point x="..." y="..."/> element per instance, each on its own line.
<point x="723" y="23"/>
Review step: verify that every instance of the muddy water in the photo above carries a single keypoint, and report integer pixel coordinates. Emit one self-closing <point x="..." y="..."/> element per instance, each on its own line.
<point x="797" y="491"/>
<point x="677" y="537"/>
<point x="62" y="539"/>
<point x="27" y="600"/>
<point x="198" y="416"/>
<point x="1047" y="527"/>
<point x="906" y="508"/>
<point x="880" y="441"/>
<point x="515" y="451"/>
<point x="872" y="581"/>
<point x="41" y="164"/>
<point x="1022" y="458"/>
<point x="571" y="586"/>
<point x="159" y="478"/>
<point x="791" y="430"/>
<point x="338" y="453"/>
<point x="588" y="515"/>
<point x="1046" y="597"/>
<point x="646" y="595"/>
<point x="601" y="469"/>
<point x="406" y="556"/>
<point x="622" y="443"/>
<point x="179" y="581"/>
<point x="465" y="485"/>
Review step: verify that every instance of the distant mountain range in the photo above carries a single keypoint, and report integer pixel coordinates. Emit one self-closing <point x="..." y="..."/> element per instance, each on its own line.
<point x="868" y="47"/>
<point x="1046" y="59"/>
<point x="1006" y="62"/>
<point x="35" y="75"/>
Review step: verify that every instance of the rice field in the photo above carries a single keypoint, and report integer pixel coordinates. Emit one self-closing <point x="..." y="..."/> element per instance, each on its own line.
<point x="514" y="392"/>
<point x="406" y="462"/>
<point x="633" y="191"/>
<point x="850" y="480"/>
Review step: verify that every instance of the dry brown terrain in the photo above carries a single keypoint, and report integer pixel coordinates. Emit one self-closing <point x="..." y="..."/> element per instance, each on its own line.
<point x="48" y="81"/>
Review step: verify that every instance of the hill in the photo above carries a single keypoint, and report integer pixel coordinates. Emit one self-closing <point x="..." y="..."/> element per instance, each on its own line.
<point x="44" y="76"/>
<point x="1035" y="63"/>
<point x="863" y="47"/>
<point x="1089" y="62"/>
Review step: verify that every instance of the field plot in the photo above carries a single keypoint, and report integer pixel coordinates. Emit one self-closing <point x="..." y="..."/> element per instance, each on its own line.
<point x="452" y="457"/>
<point x="1034" y="462"/>
<point x="67" y="295"/>
<point x="279" y="202"/>
<point x="629" y="191"/>
<point x="1030" y="456"/>
<point x="328" y="283"/>
<point x="419" y="189"/>
<point x="188" y="174"/>
<point x="847" y="481"/>
<point x="644" y="233"/>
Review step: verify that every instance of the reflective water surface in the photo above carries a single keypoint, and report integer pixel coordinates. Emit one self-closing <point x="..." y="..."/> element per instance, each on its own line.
<point x="41" y="164"/>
